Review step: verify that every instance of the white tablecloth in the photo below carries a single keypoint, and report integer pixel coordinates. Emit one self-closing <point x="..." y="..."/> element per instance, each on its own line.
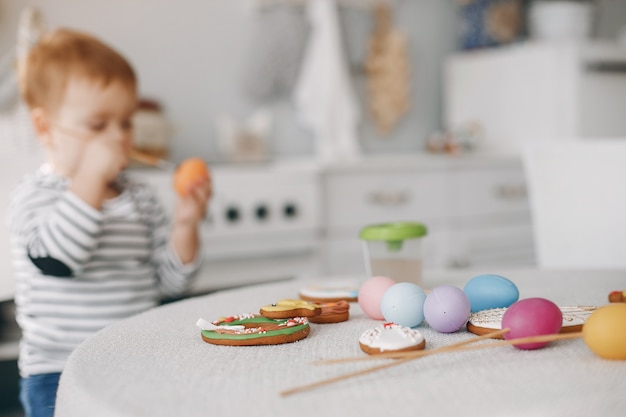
<point x="156" y="364"/>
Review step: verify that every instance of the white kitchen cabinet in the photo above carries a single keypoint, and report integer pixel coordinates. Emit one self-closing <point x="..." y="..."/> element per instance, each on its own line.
<point x="487" y="192"/>
<point x="475" y="208"/>
<point x="489" y="222"/>
<point x="538" y="91"/>
<point x="489" y="246"/>
<point x="357" y="196"/>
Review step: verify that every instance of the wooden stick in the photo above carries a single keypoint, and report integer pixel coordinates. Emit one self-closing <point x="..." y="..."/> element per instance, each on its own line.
<point x="413" y="354"/>
<point x="135" y="154"/>
<point x="522" y="341"/>
<point x="342" y="377"/>
<point x="407" y="356"/>
<point x="151" y="160"/>
<point x="513" y="342"/>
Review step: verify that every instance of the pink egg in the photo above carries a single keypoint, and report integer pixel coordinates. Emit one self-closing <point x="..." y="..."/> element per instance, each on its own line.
<point x="370" y="294"/>
<point x="532" y="317"/>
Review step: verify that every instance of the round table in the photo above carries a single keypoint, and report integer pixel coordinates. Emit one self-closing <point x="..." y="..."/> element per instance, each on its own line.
<point x="156" y="364"/>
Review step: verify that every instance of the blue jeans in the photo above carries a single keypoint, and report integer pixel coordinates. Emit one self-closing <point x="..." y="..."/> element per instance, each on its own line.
<point x="38" y="394"/>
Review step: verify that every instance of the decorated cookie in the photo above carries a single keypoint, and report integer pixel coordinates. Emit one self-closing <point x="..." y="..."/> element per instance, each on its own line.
<point x="487" y="321"/>
<point x="391" y="337"/>
<point x="252" y="330"/>
<point x="333" y="312"/>
<point x="287" y="308"/>
<point x="617" y="297"/>
<point x="330" y="292"/>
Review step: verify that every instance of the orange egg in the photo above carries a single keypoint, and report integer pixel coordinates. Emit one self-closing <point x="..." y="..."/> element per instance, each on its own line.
<point x="604" y="332"/>
<point x="189" y="172"/>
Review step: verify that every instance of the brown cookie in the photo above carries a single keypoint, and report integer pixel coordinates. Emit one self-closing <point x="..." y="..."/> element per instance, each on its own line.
<point x="290" y="308"/>
<point x="332" y="312"/>
<point x="253" y="330"/>
<point x="617" y="297"/>
<point x="391" y="338"/>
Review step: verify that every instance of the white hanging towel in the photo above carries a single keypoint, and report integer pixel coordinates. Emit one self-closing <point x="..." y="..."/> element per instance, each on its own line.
<point x="324" y="99"/>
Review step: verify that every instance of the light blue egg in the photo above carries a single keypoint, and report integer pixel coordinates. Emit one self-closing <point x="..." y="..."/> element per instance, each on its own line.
<point x="490" y="291"/>
<point x="403" y="304"/>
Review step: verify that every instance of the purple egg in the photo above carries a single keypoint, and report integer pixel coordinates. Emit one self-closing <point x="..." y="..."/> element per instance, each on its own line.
<point x="532" y="317"/>
<point x="446" y="309"/>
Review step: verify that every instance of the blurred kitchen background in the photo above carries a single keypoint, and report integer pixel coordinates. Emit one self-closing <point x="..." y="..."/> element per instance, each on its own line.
<point x="319" y="117"/>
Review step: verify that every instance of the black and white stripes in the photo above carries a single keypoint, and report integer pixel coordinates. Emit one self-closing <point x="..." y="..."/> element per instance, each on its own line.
<point x="118" y="262"/>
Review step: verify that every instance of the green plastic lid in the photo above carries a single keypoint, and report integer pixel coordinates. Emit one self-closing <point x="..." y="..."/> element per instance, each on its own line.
<point x="393" y="232"/>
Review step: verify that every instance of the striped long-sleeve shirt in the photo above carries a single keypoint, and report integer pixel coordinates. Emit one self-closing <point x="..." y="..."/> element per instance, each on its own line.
<point x="79" y="269"/>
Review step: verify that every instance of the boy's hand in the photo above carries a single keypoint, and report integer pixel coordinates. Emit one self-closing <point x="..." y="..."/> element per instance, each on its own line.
<point x="100" y="163"/>
<point x="102" y="160"/>
<point x="191" y="209"/>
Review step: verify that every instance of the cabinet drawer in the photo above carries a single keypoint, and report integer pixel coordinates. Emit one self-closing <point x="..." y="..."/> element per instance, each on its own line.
<point x="345" y="257"/>
<point x="357" y="199"/>
<point x="488" y="192"/>
<point x="492" y="246"/>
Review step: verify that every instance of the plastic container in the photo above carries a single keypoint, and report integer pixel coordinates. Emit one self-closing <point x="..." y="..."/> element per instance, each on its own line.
<point x="394" y="250"/>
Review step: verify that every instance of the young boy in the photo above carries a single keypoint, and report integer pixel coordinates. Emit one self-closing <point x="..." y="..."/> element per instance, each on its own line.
<point x="90" y="246"/>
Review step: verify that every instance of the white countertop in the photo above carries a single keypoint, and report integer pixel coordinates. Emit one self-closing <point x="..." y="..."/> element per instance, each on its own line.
<point x="425" y="162"/>
<point x="376" y="162"/>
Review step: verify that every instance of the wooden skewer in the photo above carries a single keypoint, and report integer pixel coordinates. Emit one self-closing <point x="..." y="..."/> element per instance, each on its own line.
<point x="135" y="154"/>
<point x="413" y="354"/>
<point x="151" y="160"/>
<point x="407" y="356"/>
<point x="511" y="342"/>
<point x="342" y="377"/>
<point x="520" y="341"/>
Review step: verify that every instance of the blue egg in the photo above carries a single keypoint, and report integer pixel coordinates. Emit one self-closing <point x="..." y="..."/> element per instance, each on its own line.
<point x="490" y="291"/>
<point x="403" y="304"/>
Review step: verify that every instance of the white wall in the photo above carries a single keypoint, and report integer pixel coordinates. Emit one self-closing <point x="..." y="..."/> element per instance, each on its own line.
<point x="189" y="55"/>
<point x="186" y="52"/>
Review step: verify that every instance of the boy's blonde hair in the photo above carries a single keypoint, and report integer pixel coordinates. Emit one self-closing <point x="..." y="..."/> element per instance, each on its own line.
<point x="64" y="54"/>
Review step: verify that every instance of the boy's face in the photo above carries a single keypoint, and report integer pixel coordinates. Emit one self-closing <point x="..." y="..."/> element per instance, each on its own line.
<point x="88" y="111"/>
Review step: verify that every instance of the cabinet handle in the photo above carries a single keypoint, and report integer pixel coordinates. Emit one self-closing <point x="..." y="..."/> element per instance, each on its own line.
<point x="511" y="192"/>
<point x="389" y="198"/>
<point x="459" y="263"/>
<point x="606" y="67"/>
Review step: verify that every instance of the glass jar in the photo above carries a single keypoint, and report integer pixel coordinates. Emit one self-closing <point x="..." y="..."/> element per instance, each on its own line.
<point x="394" y="250"/>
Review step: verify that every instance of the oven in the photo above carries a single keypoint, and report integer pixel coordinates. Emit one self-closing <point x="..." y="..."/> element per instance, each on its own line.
<point x="263" y="224"/>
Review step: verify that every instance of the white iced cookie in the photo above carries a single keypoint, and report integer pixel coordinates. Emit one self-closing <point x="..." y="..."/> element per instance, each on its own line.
<point x="391" y="337"/>
<point x="487" y="321"/>
<point x="331" y="292"/>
